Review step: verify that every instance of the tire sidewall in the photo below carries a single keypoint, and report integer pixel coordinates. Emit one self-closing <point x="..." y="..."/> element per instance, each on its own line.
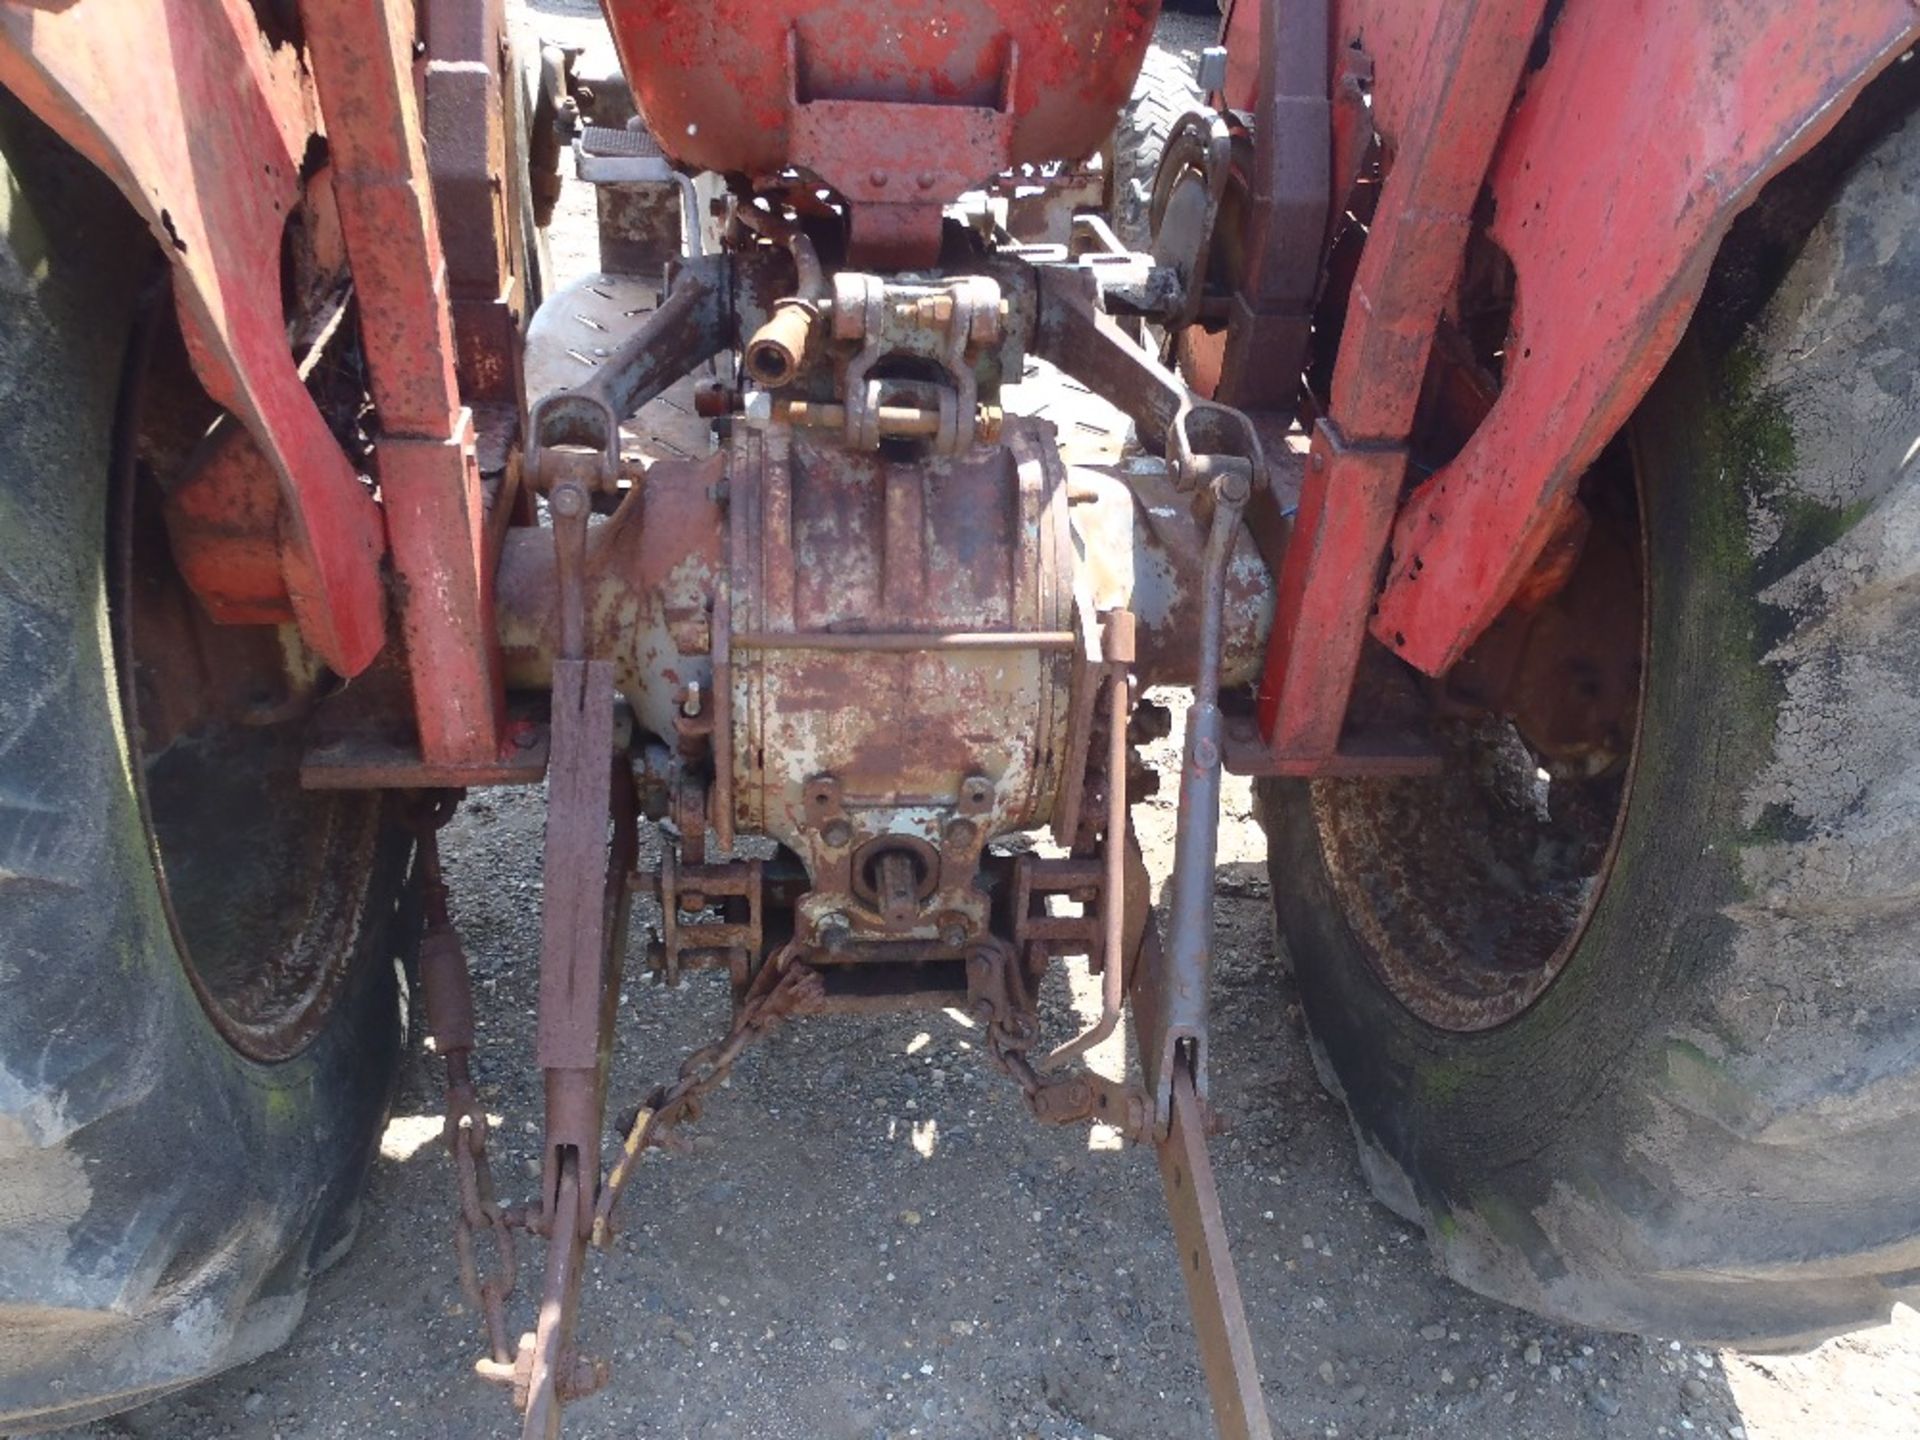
<point x="178" y="1190"/>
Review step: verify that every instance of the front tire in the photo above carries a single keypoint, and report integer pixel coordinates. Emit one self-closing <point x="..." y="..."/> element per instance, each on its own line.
<point x="1707" y="1123"/>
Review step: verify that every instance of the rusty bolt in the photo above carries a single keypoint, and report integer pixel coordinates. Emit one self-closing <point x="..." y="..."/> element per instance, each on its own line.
<point x="961" y="833"/>
<point x="953" y="934"/>
<point x="930" y="312"/>
<point x="976" y="794"/>
<point x="568" y="501"/>
<point x="834" y="931"/>
<point x="878" y="179"/>
<point x="837" y="833"/>
<point x="926" y="180"/>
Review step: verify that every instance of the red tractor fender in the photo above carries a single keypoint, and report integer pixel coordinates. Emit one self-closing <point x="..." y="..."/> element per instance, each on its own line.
<point x="203" y="126"/>
<point x="1629" y="152"/>
<point x="1648" y="129"/>
<point x="213" y="129"/>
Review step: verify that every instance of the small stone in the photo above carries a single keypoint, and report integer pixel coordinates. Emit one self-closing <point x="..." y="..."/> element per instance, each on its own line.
<point x="961" y="1327"/>
<point x="909" y="1217"/>
<point x="1446" y="1375"/>
<point x="1355" y="1394"/>
<point x="1433" y="1332"/>
<point x="1604" y="1402"/>
<point x="1694" y="1388"/>
<point x="1326" y="1371"/>
<point x="1532" y="1353"/>
<point x="684" y="1337"/>
<point x="838" y="1342"/>
<point x="1306" y="1242"/>
<point x="253" y="1402"/>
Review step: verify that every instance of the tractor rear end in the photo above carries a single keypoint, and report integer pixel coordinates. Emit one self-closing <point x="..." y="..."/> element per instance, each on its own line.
<point x="783" y="533"/>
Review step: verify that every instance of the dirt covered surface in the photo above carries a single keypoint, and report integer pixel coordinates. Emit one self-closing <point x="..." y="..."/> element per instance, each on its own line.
<point x="870" y="1239"/>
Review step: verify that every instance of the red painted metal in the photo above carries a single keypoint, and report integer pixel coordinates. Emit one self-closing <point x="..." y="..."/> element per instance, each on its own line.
<point x="361" y="52"/>
<point x="899" y="107"/>
<point x="223" y="523"/>
<point x="204" y="126"/>
<point x="1648" y="129"/>
<point x="1407" y="274"/>
<point x="741" y="73"/>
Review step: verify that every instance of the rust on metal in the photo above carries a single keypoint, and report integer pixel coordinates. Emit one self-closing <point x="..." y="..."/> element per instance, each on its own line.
<point x="1710" y="99"/>
<point x="1175" y="993"/>
<point x="1206" y="1264"/>
<point x="223" y="519"/>
<point x="209" y="151"/>
<point x="900" y="118"/>
<point x="361" y="54"/>
<point x="1406" y="276"/>
<point x="471" y="110"/>
<point x="361" y="762"/>
<point x="1287" y="193"/>
<point x="448" y="992"/>
<point x="1117" y="653"/>
<point x="964" y="549"/>
<point x="897" y="642"/>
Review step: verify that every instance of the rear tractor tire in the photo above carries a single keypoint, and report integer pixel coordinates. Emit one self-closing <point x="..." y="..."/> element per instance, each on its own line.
<point x="199" y="1009"/>
<point x="1662" y="1074"/>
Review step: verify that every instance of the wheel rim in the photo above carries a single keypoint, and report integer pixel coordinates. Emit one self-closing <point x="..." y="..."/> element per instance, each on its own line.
<point x="262" y="883"/>
<point x="1469" y="891"/>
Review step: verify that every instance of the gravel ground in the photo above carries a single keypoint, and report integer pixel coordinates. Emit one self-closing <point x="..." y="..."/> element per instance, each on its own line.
<point x="870" y="1238"/>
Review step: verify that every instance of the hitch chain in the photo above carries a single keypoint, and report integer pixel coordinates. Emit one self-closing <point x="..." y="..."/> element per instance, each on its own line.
<point x="783" y="988"/>
<point x="1004" y="1003"/>
<point x="778" y="992"/>
<point x="449" y="1005"/>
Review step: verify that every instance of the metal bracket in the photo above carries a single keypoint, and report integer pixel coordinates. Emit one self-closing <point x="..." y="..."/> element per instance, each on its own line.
<point x="1213" y="1289"/>
<point x="1202" y="439"/>
<point x="1170" y="993"/>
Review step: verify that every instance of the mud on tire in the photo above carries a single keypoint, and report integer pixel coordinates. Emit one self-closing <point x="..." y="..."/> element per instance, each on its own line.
<point x="164" y="1199"/>
<point x="1708" y="1126"/>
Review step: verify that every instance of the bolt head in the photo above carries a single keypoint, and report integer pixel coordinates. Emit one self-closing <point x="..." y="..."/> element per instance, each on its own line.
<point x="837" y="833"/>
